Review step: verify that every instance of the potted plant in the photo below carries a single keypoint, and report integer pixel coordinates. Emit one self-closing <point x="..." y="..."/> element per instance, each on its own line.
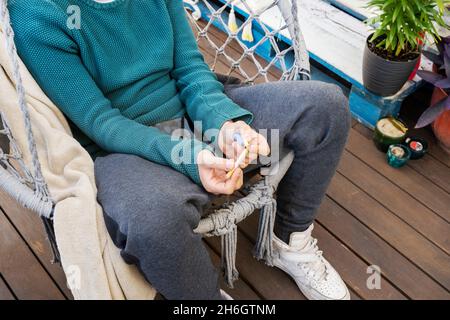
<point x="393" y="50"/>
<point x="439" y="113"/>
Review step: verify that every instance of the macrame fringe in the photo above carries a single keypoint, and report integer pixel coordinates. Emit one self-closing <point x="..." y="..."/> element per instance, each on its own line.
<point x="264" y="246"/>
<point x="228" y="256"/>
<point x="263" y="249"/>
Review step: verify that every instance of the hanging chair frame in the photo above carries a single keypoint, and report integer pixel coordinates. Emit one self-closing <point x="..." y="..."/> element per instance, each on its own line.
<point x="29" y="189"/>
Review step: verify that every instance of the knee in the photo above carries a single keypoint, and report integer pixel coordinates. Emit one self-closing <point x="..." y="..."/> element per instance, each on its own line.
<point x="330" y="114"/>
<point x="325" y="119"/>
<point x="334" y="108"/>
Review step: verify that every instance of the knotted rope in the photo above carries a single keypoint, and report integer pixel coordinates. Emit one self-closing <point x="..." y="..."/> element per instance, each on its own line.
<point x="297" y="69"/>
<point x="39" y="199"/>
<point x="40" y="186"/>
<point x="223" y="223"/>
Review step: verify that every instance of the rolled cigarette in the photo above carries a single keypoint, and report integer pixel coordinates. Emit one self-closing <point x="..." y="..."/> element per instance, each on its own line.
<point x="240" y="160"/>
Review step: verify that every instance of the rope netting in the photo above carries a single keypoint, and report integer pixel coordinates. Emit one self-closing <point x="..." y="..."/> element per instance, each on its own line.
<point x="10" y="156"/>
<point x="27" y="186"/>
<point x="245" y="24"/>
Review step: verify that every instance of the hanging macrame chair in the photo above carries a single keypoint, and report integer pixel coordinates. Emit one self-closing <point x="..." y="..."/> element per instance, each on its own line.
<point x="24" y="182"/>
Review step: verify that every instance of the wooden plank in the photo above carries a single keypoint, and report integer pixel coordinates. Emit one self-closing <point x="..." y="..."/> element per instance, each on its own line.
<point x="434" y="149"/>
<point x="270" y="283"/>
<point x="396" y="232"/>
<point x="25" y="275"/>
<point x="241" y="290"/>
<point x="339" y="48"/>
<point x="435" y="168"/>
<point x="431" y="196"/>
<point x="403" y="205"/>
<point x="400" y="271"/>
<point x="4" y="142"/>
<point x="353" y="269"/>
<point x="350" y="267"/>
<point x="218" y="37"/>
<point x="234" y="51"/>
<point x="29" y="225"/>
<point x="341" y="40"/>
<point x="223" y="66"/>
<point x="5" y="293"/>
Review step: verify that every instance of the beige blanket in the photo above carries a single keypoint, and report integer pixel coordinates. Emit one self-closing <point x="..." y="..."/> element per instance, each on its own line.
<point x="92" y="263"/>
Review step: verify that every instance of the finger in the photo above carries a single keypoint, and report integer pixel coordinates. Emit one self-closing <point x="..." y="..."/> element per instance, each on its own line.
<point x="228" y="186"/>
<point x="233" y="183"/>
<point x="250" y="136"/>
<point x="207" y="178"/>
<point x="253" y="153"/>
<point x="211" y="161"/>
<point x="237" y="150"/>
<point x="215" y="184"/>
<point x="220" y="174"/>
<point x="251" y="156"/>
<point x="263" y="145"/>
<point x="240" y="181"/>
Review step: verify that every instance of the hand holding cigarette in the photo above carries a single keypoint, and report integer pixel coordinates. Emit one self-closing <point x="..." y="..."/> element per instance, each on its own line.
<point x="238" y="141"/>
<point x="240" y="160"/>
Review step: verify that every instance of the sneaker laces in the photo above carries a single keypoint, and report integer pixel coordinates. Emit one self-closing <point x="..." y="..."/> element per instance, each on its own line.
<point x="310" y="260"/>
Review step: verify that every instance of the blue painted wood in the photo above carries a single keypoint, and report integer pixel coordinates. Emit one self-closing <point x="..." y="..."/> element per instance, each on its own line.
<point x="264" y="50"/>
<point x="340" y="5"/>
<point x="258" y="32"/>
<point x="366" y="107"/>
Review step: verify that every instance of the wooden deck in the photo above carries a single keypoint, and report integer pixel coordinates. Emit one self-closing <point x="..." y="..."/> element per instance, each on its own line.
<point x="396" y="219"/>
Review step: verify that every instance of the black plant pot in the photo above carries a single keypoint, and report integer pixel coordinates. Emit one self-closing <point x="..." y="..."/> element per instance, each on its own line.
<point x="385" y="77"/>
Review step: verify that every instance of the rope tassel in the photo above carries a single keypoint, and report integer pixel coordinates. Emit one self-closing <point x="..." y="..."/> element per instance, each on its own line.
<point x="228" y="259"/>
<point x="264" y="247"/>
<point x="247" y="34"/>
<point x="232" y="24"/>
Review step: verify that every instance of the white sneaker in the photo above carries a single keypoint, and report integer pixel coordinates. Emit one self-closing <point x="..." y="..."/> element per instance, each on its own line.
<point x="303" y="261"/>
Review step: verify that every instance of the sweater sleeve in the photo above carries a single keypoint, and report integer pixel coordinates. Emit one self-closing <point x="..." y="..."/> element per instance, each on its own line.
<point x="199" y="88"/>
<point x="47" y="48"/>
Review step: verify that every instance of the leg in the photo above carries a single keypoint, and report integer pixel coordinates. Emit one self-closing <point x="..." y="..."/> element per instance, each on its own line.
<point x="313" y="120"/>
<point x="150" y="212"/>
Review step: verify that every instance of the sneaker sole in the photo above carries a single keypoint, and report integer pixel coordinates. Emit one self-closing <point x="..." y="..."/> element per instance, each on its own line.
<point x="307" y="295"/>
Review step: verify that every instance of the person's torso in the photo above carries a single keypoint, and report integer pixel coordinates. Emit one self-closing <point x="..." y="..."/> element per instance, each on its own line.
<point x="127" y="47"/>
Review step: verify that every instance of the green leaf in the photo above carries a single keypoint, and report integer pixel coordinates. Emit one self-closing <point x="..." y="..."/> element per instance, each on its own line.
<point x="403" y="23"/>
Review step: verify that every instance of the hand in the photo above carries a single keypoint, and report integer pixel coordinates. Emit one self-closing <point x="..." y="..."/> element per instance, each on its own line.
<point x="213" y="171"/>
<point x="232" y="149"/>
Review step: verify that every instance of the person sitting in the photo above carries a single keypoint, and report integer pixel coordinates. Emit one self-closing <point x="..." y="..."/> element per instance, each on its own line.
<point x="132" y="67"/>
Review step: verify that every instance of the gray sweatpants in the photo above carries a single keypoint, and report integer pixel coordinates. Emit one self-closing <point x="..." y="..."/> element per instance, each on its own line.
<point x="151" y="210"/>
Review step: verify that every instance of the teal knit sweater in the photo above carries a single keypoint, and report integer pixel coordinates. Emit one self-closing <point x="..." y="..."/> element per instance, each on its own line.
<point x="130" y="65"/>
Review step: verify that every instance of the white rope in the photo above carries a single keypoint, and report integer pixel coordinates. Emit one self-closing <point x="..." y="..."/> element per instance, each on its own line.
<point x="40" y="186"/>
<point x="28" y="189"/>
<point x="222" y="222"/>
<point x="298" y="69"/>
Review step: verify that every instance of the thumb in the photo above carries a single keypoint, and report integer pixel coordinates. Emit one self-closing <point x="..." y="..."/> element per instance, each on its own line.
<point x="208" y="159"/>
